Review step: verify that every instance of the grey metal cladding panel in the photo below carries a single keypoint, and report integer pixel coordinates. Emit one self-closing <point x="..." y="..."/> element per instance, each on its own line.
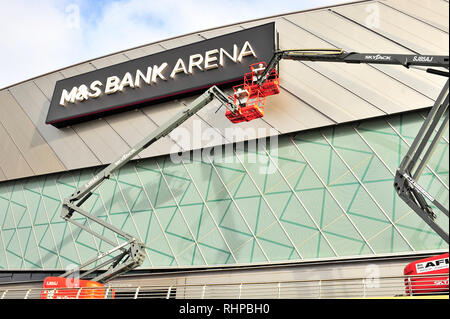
<point x="22" y="131"/>
<point x="133" y="126"/>
<point x="77" y="69"/>
<point x="68" y="147"/>
<point x="180" y="41"/>
<point x="375" y="87"/>
<point x="326" y="96"/>
<point x="220" y="31"/>
<point x="288" y="113"/>
<point x="433" y="12"/>
<point x="255" y="23"/>
<point x="399" y="27"/>
<point x="12" y="163"/>
<point x="109" y="60"/>
<point x="143" y="51"/>
<point x="102" y="140"/>
<point x="2" y="175"/>
<point x="47" y="83"/>
<point x="342" y="33"/>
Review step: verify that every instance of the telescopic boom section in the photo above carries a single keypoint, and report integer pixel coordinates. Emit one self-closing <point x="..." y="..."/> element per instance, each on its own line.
<point x="129" y="254"/>
<point x="339" y="55"/>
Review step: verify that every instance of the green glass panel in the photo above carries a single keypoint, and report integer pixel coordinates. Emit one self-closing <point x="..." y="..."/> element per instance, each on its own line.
<point x="199" y="202"/>
<point x="47" y="247"/>
<point x="66" y="246"/>
<point x="13" y="252"/>
<point x="3" y="258"/>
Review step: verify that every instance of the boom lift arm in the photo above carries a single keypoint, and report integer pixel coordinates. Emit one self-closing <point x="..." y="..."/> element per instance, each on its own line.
<point x="130" y="254"/>
<point x="338" y="55"/>
<point x="412" y="165"/>
<point x="414" y="162"/>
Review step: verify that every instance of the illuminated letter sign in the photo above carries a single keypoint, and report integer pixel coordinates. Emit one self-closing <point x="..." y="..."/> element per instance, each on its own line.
<point x="157" y="77"/>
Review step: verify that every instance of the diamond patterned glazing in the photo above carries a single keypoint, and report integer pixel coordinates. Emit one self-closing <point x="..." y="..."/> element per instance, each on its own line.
<point x="321" y="193"/>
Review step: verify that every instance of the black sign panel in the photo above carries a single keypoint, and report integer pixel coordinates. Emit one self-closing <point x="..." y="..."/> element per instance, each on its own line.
<point x="161" y="76"/>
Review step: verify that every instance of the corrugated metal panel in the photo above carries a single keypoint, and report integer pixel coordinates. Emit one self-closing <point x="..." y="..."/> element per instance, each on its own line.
<point x="178" y="42"/>
<point x="379" y="89"/>
<point x="133" y="126"/>
<point x="38" y="154"/>
<point x="69" y="148"/>
<point x="342" y="33"/>
<point x="218" y="32"/>
<point x="2" y="175"/>
<point x="399" y="27"/>
<point x="143" y="51"/>
<point x="47" y="83"/>
<point x="287" y="113"/>
<point x="102" y="140"/>
<point x="432" y="12"/>
<point x="77" y="69"/>
<point x="109" y="60"/>
<point x="12" y="162"/>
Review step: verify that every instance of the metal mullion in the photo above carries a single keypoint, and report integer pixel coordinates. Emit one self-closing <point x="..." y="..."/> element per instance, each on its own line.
<point x="268" y="205"/>
<point x="49" y="226"/>
<point x="181" y="212"/>
<point x="156" y="216"/>
<point x="407" y="144"/>
<point x="367" y="191"/>
<point x="88" y="223"/>
<point x="239" y="210"/>
<point x="209" y="212"/>
<point x="393" y="175"/>
<point x="15" y="226"/>
<point x="301" y="203"/>
<point x="131" y="216"/>
<point x="32" y="227"/>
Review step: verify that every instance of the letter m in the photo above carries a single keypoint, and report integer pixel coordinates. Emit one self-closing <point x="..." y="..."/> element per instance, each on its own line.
<point x="68" y="97"/>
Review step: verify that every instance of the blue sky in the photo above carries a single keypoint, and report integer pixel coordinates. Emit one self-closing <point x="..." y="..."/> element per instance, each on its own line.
<point x="42" y="36"/>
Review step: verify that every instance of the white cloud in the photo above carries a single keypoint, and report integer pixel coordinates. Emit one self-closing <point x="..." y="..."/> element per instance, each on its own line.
<point x="41" y="36"/>
<point x="35" y="40"/>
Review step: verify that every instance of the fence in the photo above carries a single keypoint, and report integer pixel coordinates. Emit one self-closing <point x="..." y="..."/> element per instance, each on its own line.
<point x="423" y="285"/>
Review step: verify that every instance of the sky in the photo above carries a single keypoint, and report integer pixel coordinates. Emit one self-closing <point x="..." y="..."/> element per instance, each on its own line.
<point x="38" y="37"/>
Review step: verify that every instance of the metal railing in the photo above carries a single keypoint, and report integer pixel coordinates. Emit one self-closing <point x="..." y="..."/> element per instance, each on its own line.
<point x="414" y="286"/>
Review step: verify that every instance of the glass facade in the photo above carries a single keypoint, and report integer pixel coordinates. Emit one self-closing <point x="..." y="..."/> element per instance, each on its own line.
<point x="318" y="194"/>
